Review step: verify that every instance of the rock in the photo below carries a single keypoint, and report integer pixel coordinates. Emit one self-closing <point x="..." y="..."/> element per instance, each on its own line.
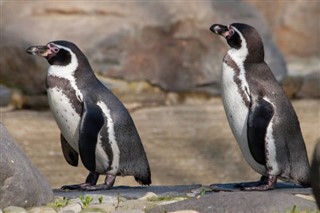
<point x="176" y="58"/>
<point x="131" y="211"/>
<point x="5" y="96"/>
<point x="263" y="202"/>
<point x="21" y="184"/>
<point x="71" y="208"/>
<point x="36" y="102"/>
<point x="315" y="173"/>
<point x="42" y="209"/>
<point x="76" y="201"/>
<point x="291" y="23"/>
<point x="311" y="86"/>
<point x="148" y="195"/>
<point x="14" y="209"/>
<point x="185" y="211"/>
<point x="95" y="210"/>
<point x="128" y="193"/>
<point x="17" y="70"/>
<point x="292" y="85"/>
<point x="167" y="44"/>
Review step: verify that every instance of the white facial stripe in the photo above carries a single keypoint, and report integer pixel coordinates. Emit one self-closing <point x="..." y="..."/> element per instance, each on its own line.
<point x="67" y="71"/>
<point x="239" y="56"/>
<point x="112" y="138"/>
<point x="271" y="148"/>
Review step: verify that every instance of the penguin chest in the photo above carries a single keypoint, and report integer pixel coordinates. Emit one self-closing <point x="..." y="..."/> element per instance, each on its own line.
<point x="234" y="105"/>
<point x="64" y="109"/>
<point x="235" y="96"/>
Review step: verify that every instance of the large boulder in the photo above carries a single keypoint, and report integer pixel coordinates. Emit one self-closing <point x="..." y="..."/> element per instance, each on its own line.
<point x="295" y="25"/>
<point x="21" y="184"/>
<point x="165" y="43"/>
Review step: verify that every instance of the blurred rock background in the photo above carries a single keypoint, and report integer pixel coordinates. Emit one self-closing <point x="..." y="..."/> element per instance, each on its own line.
<point x="162" y="61"/>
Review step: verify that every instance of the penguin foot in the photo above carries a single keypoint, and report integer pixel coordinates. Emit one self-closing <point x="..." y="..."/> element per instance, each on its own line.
<point x="247" y="184"/>
<point x="91" y="181"/>
<point x="265" y="183"/>
<point x="96" y="187"/>
<point x="76" y="186"/>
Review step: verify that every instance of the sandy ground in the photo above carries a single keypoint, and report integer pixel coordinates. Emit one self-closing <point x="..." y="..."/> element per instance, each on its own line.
<point x="185" y="144"/>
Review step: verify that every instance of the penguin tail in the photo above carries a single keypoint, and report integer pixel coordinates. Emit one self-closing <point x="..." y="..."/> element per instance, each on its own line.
<point x="143" y="181"/>
<point x="305" y="183"/>
<point x="303" y="178"/>
<point x="143" y="178"/>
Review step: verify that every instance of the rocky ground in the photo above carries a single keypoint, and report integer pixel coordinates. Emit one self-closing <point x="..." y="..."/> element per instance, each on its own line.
<point x="186" y="143"/>
<point x="182" y="199"/>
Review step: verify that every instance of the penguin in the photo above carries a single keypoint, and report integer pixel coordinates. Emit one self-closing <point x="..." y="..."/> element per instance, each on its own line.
<point x="93" y="122"/>
<point x="261" y="117"/>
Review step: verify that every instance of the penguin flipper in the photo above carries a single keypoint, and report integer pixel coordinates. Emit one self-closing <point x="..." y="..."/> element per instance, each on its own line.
<point x="71" y="155"/>
<point x="90" y="125"/>
<point x="260" y="115"/>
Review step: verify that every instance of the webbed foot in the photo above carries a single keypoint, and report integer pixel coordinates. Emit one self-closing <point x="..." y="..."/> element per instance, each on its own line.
<point x="265" y="183"/>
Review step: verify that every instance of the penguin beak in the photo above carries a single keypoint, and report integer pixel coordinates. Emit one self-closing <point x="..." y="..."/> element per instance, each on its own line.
<point x="43" y="51"/>
<point x="225" y="31"/>
<point x="38" y="50"/>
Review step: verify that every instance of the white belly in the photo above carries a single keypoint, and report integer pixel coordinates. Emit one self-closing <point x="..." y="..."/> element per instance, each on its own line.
<point x="237" y="115"/>
<point x="65" y="115"/>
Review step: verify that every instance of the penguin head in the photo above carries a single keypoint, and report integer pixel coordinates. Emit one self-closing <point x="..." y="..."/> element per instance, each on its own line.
<point x="242" y="37"/>
<point x="57" y="52"/>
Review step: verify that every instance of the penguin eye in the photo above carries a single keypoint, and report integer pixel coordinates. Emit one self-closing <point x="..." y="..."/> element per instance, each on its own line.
<point x="231" y="32"/>
<point x="228" y="34"/>
<point x="53" y="48"/>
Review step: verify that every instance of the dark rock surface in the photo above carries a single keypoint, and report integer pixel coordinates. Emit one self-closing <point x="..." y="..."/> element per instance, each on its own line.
<point x="262" y="202"/>
<point x="21" y="184"/>
<point x="315" y="173"/>
<point x="167" y="44"/>
<point x="133" y="192"/>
